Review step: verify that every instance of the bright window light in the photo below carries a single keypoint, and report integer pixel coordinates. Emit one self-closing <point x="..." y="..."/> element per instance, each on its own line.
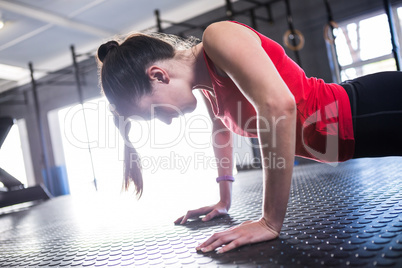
<point x="375" y="37"/>
<point x="364" y="46"/>
<point x="11" y="156"/>
<point x="12" y="73"/>
<point x="181" y="151"/>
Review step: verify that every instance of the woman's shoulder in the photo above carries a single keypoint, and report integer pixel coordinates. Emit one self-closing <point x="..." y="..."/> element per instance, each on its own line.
<point x="227" y="37"/>
<point x="221" y="26"/>
<point x="227" y="30"/>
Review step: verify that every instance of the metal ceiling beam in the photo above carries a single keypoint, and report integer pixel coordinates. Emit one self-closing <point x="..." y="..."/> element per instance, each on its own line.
<point x="51" y="18"/>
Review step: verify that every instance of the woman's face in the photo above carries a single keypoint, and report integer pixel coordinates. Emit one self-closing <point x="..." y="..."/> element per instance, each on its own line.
<point x="167" y="101"/>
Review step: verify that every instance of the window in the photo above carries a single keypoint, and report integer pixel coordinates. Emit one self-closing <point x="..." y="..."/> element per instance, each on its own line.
<point x="363" y="45"/>
<point x="12" y="159"/>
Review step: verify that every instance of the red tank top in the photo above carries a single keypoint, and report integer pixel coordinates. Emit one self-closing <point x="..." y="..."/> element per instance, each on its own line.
<point x="324" y="128"/>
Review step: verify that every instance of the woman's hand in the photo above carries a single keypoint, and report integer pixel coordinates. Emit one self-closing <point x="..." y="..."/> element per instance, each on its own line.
<point x="210" y="212"/>
<point x="246" y="233"/>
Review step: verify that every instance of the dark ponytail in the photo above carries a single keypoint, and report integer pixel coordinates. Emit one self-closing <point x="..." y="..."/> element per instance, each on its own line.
<point x="104" y="49"/>
<point x="132" y="163"/>
<point x="123" y="79"/>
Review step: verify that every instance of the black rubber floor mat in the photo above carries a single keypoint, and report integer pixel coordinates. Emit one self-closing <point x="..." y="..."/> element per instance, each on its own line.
<point x="350" y="215"/>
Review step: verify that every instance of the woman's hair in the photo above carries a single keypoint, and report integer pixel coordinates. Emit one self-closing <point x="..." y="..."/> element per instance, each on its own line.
<point x="123" y="79"/>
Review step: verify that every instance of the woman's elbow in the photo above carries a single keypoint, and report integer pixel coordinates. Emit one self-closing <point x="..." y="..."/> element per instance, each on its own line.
<point x="283" y="106"/>
<point x="289" y="104"/>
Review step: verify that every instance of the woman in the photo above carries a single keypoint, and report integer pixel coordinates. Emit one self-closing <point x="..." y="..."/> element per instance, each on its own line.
<point x="256" y="91"/>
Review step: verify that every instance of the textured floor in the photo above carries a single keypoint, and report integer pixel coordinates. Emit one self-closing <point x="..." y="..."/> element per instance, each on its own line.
<point x="350" y="215"/>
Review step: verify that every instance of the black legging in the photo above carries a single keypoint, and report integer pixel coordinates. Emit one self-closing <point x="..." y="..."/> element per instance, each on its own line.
<point x="376" y="103"/>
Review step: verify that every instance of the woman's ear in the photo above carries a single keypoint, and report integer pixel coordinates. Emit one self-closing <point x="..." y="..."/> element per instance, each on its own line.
<point x="158" y="74"/>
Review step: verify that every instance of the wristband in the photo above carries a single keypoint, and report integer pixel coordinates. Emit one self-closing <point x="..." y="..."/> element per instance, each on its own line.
<point x="225" y="178"/>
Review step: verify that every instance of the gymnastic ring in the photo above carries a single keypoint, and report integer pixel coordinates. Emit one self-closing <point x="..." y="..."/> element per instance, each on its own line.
<point x="298" y="34"/>
<point x="334" y="25"/>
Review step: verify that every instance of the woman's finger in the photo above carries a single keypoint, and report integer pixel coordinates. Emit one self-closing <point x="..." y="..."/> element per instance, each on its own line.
<point x="212" y="239"/>
<point x="178" y="220"/>
<point x="214" y="213"/>
<point x="208" y="241"/>
<point x="217" y="240"/>
<point x="195" y="213"/>
<point x="188" y="215"/>
<point x="232" y="245"/>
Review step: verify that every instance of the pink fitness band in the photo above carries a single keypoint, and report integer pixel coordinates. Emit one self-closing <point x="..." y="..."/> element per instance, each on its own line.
<point x="225" y="178"/>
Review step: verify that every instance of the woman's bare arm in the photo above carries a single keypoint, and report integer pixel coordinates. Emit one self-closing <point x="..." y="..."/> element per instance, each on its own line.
<point x="222" y="144"/>
<point x="237" y="51"/>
